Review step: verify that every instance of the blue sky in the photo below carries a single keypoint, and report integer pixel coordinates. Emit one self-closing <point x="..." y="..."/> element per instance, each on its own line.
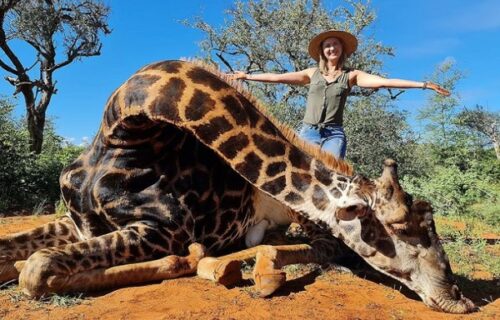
<point x="423" y="33"/>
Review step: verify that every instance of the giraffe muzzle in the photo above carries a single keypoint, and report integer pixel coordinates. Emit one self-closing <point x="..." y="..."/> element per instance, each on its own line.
<point x="448" y="304"/>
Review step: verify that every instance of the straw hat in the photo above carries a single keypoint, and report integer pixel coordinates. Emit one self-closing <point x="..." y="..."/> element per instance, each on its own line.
<point x="349" y="41"/>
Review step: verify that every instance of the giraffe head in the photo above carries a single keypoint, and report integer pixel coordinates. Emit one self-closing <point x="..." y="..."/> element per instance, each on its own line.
<point x="397" y="236"/>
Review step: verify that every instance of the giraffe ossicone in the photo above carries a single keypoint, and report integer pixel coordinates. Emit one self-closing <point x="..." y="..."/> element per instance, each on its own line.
<point x="184" y="165"/>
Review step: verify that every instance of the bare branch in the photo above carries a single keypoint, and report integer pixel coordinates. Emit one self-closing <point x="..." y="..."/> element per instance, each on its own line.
<point x="393" y="97"/>
<point x="33" y="65"/>
<point x="6" y="67"/>
<point x="225" y="62"/>
<point x="78" y="26"/>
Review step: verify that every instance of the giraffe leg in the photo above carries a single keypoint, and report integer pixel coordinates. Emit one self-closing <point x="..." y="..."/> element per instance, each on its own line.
<point x="169" y="267"/>
<point x="270" y="259"/>
<point x="17" y="247"/>
<point x="224" y="271"/>
<point x="112" y="260"/>
<point x="267" y="273"/>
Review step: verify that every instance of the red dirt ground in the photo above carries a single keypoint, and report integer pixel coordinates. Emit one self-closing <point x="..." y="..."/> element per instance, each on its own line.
<point x="327" y="295"/>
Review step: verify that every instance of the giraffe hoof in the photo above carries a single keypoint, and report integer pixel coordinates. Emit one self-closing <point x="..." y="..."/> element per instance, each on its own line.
<point x="225" y="272"/>
<point x="267" y="277"/>
<point x="197" y="250"/>
<point x="267" y="284"/>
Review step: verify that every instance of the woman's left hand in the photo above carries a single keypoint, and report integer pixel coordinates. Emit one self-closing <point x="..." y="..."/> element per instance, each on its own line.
<point x="442" y="91"/>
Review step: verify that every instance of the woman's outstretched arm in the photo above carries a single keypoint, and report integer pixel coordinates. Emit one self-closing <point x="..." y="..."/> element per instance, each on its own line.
<point x="302" y="77"/>
<point x="366" y="80"/>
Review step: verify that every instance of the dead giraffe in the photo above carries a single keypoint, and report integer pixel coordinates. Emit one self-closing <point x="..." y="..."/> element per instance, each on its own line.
<point x="184" y="163"/>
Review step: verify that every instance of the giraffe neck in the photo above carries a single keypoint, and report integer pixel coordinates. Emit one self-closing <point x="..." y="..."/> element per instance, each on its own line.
<point x="230" y="123"/>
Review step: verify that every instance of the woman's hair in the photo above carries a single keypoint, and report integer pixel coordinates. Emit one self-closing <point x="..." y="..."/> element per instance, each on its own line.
<point x="323" y="68"/>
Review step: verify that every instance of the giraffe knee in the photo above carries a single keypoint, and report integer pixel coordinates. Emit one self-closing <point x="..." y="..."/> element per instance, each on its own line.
<point x="35" y="276"/>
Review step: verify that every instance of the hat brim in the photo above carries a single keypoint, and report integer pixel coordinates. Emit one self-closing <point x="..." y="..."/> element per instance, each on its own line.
<point x="349" y="42"/>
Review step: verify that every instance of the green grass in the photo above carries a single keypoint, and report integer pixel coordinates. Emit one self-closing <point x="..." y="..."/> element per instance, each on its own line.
<point x="39" y="208"/>
<point x="16" y="296"/>
<point x="488" y="212"/>
<point x="469" y="257"/>
<point x="468" y="250"/>
<point x="298" y="270"/>
<point x="452" y="227"/>
<point x="60" y="209"/>
<point x="63" y="301"/>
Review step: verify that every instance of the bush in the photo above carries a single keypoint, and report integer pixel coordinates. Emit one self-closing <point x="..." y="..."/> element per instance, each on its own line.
<point x="28" y="180"/>
<point x="461" y="190"/>
<point x="376" y="131"/>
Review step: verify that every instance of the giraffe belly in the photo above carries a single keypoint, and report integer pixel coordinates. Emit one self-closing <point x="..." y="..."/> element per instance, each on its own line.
<point x="106" y="189"/>
<point x="267" y="208"/>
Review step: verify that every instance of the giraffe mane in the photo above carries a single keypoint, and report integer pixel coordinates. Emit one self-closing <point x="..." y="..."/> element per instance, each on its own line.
<point x="338" y="165"/>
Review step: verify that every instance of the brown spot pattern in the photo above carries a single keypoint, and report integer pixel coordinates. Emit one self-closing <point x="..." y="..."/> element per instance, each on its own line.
<point x="386" y="247"/>
<point x="294" y="198"/>
<point x="301" y="181"/>
<point x="233" y="106"/>
<point x="319" y="198"/>
<point x="250" y="111"/>
<point x="136" y="90"/>
<point x="275" y="186"/>
<point x="200" y="76"/>
<point x="269" y="128"/>
<point x="166" y="104"/>
<point x="336" y="193"/>
<point x="168" y="66"/>
<point x="199" y="106"/>
<point x="210" y="131"/>
<point x="269" y="147"/>
<point x="322" y="174"/>
<point x="299" y="160"/>
<point x="250" y="167"/>
<point x="275" y="168"/>
<point x="233" y="145"/>
<point x="112" y="112"/>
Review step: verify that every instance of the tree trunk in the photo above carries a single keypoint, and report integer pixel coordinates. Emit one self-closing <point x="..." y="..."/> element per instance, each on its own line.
<point x="36" y="125"/>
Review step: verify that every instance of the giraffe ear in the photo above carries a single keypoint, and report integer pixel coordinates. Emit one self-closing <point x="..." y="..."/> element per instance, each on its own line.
<point x="351" y="212"/>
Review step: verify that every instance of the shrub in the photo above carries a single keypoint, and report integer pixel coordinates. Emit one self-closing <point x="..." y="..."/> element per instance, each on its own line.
<point x="460" y="190"/>
<point x="28" y="180"/>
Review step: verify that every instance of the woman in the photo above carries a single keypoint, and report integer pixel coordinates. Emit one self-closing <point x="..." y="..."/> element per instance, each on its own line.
<point x="329" y="86"/>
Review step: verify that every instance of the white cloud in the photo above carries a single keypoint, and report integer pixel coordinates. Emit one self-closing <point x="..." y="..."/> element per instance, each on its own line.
<point x="69" y="140"/>
<point x="85" y="142"/>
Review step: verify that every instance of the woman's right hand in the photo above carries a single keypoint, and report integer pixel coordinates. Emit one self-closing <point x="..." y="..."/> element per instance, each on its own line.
<point x="433" y="86"/>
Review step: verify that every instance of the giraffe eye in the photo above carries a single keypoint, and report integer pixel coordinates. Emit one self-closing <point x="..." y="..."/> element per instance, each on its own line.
<point x="351" y="212"/>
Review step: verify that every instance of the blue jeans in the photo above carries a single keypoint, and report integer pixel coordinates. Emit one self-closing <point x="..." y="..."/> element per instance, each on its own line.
<point x="330" y="138"/>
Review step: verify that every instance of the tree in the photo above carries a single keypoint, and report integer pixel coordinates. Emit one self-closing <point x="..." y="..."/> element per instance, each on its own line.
<point x="483" y="122"/>
<point x="439" y="114"/>
<point x="70" y="29"/>
<point x="461" y="174"/>
<point x="376" y="131"/>
<point x="28" y="180"/>
<point x="273" y="35"/>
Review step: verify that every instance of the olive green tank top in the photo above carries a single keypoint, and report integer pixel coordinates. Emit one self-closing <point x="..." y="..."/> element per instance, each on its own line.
<point x="326" y="100"/>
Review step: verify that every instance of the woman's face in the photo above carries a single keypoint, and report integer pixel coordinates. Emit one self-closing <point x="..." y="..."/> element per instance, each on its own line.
<point x="332" y="48"/>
